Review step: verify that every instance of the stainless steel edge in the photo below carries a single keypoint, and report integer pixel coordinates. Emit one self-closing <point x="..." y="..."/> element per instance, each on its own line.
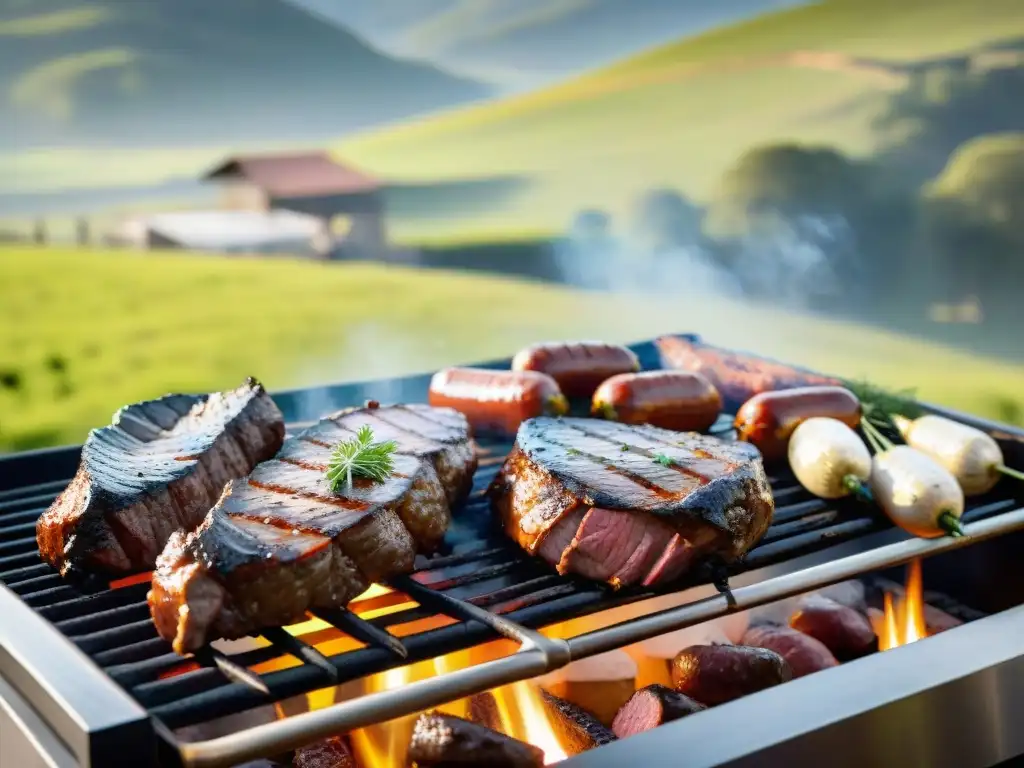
<point x="83" y="707"/>
<point x="949" y="701"/>
<point x="282" y="735"/>
<point x="25" y="740"/>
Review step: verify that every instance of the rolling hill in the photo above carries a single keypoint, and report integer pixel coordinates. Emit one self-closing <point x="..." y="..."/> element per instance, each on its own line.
<point x="174" y="73"/>
<point x="681" y="114"/>
<point x="529" y="43"/>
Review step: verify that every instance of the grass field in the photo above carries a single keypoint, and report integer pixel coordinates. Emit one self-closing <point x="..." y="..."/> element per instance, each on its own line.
<point x="82" y="333"/>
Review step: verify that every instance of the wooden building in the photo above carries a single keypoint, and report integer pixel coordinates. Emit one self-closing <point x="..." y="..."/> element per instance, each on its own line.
<point x="349" y="203"/>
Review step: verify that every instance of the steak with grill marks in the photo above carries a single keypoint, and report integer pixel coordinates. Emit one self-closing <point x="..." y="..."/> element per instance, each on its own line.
<point x="157" y="468"/>
<point x="630" y="504"/>
<point x="279" y="542"/>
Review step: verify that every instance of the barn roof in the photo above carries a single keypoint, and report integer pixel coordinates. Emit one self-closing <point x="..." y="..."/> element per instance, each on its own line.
<point x="299" y="174"/>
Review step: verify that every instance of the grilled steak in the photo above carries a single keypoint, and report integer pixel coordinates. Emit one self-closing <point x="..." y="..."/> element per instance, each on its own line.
<point x="630" y="504"/>
<point x="737" y="377"/>
<point x="158" y="468"/>
<point x="279" y="542"/>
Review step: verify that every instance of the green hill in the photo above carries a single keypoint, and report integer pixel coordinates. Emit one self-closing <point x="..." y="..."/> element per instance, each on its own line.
<point x="83" y="332"/>
<point x="174" y="73"/>
<point x="681" y="114"/>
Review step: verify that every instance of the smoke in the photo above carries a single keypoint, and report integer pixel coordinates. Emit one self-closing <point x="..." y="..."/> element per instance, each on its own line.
<point x="796" y="263"/>
<point x="368" y="352"/>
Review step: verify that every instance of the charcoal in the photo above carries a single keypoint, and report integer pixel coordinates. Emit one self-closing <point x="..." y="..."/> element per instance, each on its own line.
<point x="576" y="729"/>
<point x="483" y="710"/>
<point x="446" y="741"/>
<point x="329" y="753"/>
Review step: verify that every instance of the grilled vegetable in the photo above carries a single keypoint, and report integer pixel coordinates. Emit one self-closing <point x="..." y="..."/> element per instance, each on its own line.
<point x="917" y="493"/>
<point x="767" y="420"/>
<point x="973" y="457"/>
<point x="829" y="459"/>
<point x="497" y="400"/>
<point x="678" y="400"/>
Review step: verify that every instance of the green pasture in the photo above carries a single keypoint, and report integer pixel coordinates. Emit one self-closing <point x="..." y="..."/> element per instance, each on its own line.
<point x="83" y="332"/>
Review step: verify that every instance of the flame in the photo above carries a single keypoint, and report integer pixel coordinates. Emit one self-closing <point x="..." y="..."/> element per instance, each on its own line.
<point x="384" y="745"/>
<point x="523" y="717"/>
<point x="904" y="622"/>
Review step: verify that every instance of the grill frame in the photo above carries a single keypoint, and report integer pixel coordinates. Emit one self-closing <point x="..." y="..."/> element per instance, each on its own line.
<point x="47" y="680"/>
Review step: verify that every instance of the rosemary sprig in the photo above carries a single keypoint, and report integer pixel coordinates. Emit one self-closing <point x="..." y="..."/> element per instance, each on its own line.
<point x="360" y="457"/>
<point x="880" y="405"/>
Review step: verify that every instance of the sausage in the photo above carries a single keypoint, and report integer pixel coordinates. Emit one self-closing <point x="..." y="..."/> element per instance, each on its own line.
<point x="715" y="674"/>
<point x="578" y="367"/>
<point x="767" y="420"/>
<point x="845" y="632"/>
<point x="677" y="400"/>
<point x="650" y="707"/>
<point x="445" y="740"/>
<point x="802" y="652"/>
<point x="497" y="400"/>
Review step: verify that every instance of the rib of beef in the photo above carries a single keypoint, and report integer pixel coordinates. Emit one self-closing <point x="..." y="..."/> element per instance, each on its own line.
<point x="158" y="468"/>
<point x="279" y="542"/>
<point x="630" y="504"/>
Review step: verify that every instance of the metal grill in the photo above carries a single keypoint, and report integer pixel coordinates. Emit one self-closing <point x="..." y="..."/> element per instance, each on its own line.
<point x="480" y="567"/>
<point x="483" y="584"/>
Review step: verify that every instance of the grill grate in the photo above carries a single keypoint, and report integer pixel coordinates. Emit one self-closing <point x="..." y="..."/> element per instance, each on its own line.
<point x="478" y="567"/>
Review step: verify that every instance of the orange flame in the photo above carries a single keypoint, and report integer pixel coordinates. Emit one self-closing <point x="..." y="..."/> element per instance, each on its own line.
<point x="904" y="622"/>
<point x="523" y="717"/>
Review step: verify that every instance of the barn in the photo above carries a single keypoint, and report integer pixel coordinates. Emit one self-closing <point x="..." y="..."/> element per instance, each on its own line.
<point x="349" y="203"/>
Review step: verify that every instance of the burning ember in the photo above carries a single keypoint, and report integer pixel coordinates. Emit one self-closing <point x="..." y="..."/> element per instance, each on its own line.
<point x="523" y="717"/>
<point x="903" y="619"/>
<point x="520" y="711"/>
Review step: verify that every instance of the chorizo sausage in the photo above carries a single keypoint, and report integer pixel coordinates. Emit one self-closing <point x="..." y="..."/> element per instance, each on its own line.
<point x="841" y="629"/>
<point x="802" y="653"/>
<point x="497" y="400"/>
<point x="715" y="674"/>
<point x="767" y="420"/>
<point x="578" y="367"/>
<point x="677" y="400"/>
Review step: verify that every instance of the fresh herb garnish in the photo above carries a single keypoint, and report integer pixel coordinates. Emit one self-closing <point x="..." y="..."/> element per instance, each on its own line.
<point x="572" y="452"/>
<point x="880" y="405"/>
<point x="664" y="460"/>
<point x="623" y="447"/>
<point x="360" y="457"/>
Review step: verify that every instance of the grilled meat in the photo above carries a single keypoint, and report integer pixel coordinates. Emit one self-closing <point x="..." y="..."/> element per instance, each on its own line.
<point x="630" y="504"/>
<point x="158" y="468"/>
<point x="329" y="753"/>
<point x="444" y="741"/>
<point x="576" y="729"/>
<point x="279" y="542"/>
<point x="650" y="707"/>
<point x="737" y="377"/>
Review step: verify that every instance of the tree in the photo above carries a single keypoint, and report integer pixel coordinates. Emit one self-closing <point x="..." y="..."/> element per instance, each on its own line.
<point x="806" y="225"/>
<point x="664" y="220"/>
<point x="973" y="222"/>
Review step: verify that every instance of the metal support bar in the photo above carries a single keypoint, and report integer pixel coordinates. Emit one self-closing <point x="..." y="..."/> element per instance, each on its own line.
<point x="301" y="650"/>
<point x="361" y="630"/>
<point x="530" y="662"/>
<point x="235" y="672"/>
